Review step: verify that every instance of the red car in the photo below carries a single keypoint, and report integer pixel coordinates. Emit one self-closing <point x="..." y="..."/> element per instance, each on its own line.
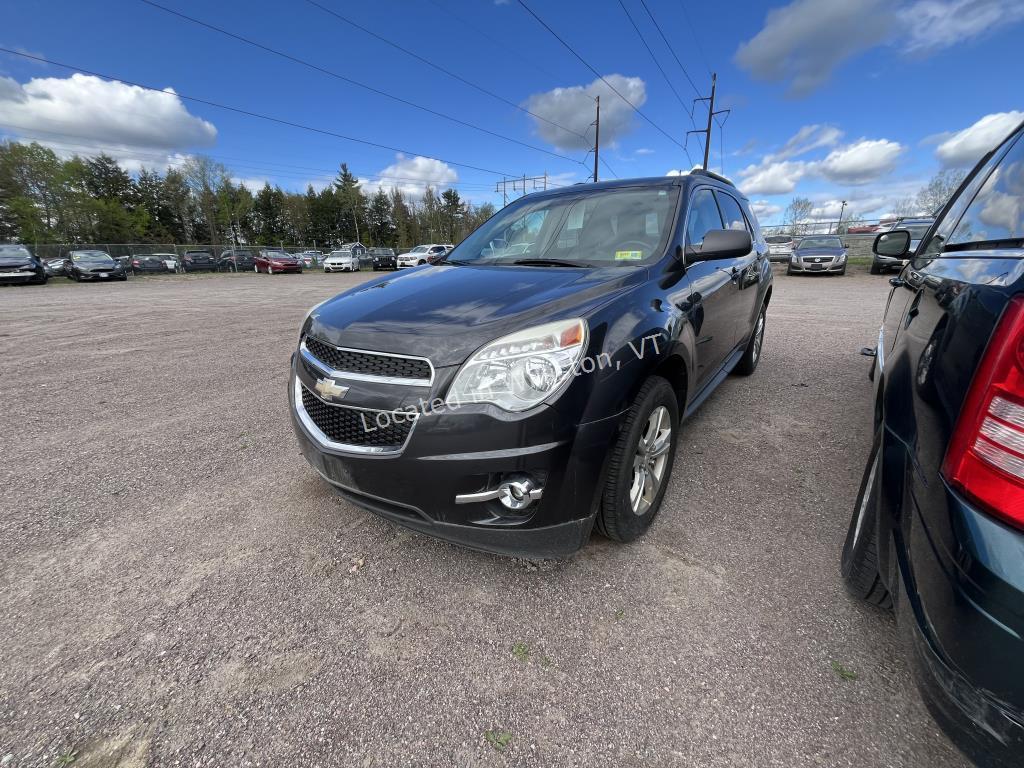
<point x="276" y="261"/>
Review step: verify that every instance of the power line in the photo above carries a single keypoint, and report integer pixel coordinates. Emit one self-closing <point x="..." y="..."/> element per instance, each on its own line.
<point x="598" y="74"/>
<point x="249" y="113"/>
<point x="441" y="69"/>
<point x="356" y="83"/>
<point x="693" y="34"/>
<point x="670" y="48"/>
<point x="655" y="60"/>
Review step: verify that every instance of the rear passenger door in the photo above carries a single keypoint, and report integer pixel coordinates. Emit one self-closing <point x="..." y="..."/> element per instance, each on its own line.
<point x="712" y="291"/>
<point x="745" y="271"/>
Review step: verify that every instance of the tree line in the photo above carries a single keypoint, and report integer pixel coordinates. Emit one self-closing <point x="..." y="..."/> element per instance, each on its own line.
<point x="46" y="199"/>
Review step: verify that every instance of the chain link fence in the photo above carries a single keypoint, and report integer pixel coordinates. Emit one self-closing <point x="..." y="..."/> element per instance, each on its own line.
<point x="127" y="250"/>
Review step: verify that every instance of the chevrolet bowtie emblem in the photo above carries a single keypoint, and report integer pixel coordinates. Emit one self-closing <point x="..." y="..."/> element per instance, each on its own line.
<point x="329" y="389"/>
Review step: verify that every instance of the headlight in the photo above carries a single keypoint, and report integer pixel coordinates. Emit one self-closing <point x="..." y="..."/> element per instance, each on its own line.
<point x="519" y="371"/>
<point x="794" y="258"/>
<point x="841" y="258"/>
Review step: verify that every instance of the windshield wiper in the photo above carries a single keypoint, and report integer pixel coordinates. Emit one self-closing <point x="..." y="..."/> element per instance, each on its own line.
<point x="457" y="262"/>
<point x="551" y="263"/>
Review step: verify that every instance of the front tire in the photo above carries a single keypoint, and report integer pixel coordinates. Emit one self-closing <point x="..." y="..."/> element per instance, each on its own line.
<point x="641" y="463"/>
<point x="860" y="550"/>
<point x="789" y="270"/>
<point x="875" y="269"/>
<point x="752" y="354"/>
<point x="270" y="269"/>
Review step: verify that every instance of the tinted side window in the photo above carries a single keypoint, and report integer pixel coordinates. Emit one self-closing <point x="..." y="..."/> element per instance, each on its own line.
<point x="944" y="229"/>
<point x="997" y="211"/>
<point x="702" y="217"/>
<point x="731" y="212"/>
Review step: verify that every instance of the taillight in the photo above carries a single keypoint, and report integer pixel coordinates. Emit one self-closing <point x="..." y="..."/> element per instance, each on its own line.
<point x="985" y="458"/>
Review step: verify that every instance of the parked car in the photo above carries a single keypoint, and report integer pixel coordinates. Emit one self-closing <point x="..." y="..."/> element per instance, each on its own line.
<point x="56" y="267"/>
<point x="546" y="385"/>
<point x="199" y="261"/>
<point x="92" y="265"/>
<point x="341" y="261"/>
<point x="311" y="258"/>
<point x="863" y="229"/>
<point x="937" y="531"/>
<point x="383" y="258"/>
<point x="422" y="254"/>
<point x="18" y="265"/>
<point x="171" y="261"/>
<point x="273" y="261"/>
<point x="150" y="263"/>
<point x="917" y="228"/>
<point x="818" y="253"/>
<point x="237" y="260"/>
<point x="780" y="247"/>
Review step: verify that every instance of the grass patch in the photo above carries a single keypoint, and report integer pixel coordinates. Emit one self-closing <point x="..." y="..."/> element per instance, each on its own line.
<point x="521" y="651"/>
<point x="499" y="740"/>
<point x="843" y="672"/>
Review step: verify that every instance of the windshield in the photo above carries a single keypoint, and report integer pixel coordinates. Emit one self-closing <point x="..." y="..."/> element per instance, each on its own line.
<point x="91" y="256"/>
<point x="13" y="250"/>
<point x="419" y="249"/>
<point x="821" y="242"/>
<point x="616" y="227"/>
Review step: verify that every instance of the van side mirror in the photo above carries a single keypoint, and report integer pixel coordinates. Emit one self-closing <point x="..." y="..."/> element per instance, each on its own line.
<point x="894" y="244"/>
<point x="721" y="244"/>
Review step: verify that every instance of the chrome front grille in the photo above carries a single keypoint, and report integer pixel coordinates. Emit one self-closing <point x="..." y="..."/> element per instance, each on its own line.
<point x="348" y="428"/>
<point x="343" y="362"/>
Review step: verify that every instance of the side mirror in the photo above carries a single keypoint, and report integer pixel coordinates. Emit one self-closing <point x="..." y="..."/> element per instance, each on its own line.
<point x="722" y="244"/>
<point x="894" y="244"/>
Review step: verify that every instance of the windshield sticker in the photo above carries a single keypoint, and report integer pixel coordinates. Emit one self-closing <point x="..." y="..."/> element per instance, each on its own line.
<point x="629" y="255"/>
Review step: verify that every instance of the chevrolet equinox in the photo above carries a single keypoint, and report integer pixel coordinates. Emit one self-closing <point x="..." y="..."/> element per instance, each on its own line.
<point x="531" y="384"/>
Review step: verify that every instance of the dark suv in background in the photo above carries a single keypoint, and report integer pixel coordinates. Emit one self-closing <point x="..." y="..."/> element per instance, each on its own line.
<point x="199" y="261"/>
<point x="18" y="265"/>
<point x="237" y="260"/>
<point x="531" y="384"/>
<point x="937" y="531"/>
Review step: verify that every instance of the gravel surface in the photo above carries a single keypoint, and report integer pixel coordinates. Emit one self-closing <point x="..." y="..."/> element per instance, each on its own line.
<point x="177" y="587"/>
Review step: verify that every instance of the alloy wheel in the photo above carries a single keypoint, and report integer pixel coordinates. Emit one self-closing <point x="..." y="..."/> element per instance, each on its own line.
<point x="758" y="337"/>
<point x="650" y="460"/>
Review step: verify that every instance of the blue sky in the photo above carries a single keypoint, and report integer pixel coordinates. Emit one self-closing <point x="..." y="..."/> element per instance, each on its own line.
<point x="860" y="100"/>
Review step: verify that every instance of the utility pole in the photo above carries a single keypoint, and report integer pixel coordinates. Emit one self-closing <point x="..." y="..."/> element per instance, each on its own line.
<point x="711" y="116"/>
<point x="839" y="224"/>
<point x="597" y="135"/>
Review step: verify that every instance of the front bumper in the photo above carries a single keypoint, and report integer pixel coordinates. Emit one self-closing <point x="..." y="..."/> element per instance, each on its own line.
<point x="471" y="450"/>
<point x="889" y="262"/>
<point x="806" y="265"/>
<point x="22" y="276"/>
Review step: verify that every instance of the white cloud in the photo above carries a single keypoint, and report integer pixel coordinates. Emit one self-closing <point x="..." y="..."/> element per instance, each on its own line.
<point x="86" y="108"/>
<point x="643" y="151"/>
<point x="803" y="42"/>
<point x="964" y="148"/>
<point x="931" y="25"/>
<point x="573" y="108"/>
<point x="808" y="138"/>
<point x="411" y="176"/>
<point x="861" y="162"/>
<point x="772" y="178"/>
<point x="764" y="209"/>
<point x="253" y="184"/>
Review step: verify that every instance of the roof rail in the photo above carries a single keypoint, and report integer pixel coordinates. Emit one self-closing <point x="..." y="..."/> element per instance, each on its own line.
<point x="701" y="172"/>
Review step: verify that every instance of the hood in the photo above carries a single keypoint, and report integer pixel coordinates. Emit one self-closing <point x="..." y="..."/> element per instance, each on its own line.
<point x="448" y="312"/>
<point x="16" y="261"/>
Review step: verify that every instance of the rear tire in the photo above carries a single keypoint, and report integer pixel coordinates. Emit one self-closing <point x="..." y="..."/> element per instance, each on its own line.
<point x="752" y="354"/>
<point x="860" y="551"/>
<point x="641" y="463"/>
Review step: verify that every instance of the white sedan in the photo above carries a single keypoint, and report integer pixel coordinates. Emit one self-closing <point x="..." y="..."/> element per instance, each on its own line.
<point x="341" y="261"/>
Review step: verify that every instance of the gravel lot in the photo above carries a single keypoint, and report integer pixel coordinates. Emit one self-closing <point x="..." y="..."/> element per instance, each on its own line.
<point x="178" y="588"/>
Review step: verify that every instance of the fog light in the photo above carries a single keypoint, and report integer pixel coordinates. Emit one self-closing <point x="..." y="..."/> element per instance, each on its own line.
<point x="519" y="493"/>
<point x="516" y="492"/>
